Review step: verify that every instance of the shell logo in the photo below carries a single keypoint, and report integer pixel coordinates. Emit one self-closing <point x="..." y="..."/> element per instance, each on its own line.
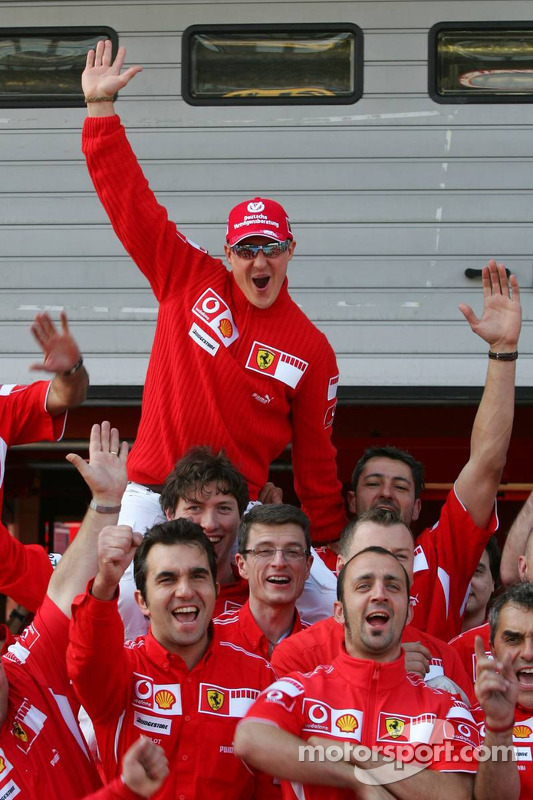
<point x="2" y="765"/>
<point x="347" y="723"/>
<point x="164" y="699"/>
<point x="226" y="328"/>
<point x="522" y="731"/>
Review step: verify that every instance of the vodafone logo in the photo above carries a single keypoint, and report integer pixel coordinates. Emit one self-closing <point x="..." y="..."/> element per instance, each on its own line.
<point x="143" y="690"/>
<point x="256" y="208"/>
<point x="210" y="305"/>
<point x="317" y="713"/>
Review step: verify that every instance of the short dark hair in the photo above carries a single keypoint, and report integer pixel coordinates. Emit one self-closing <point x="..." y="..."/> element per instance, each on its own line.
<point x="495" y="557"/>
<point x="387" y="451"/>
<point x="175" y="531"/>
<point x="374" y="549"/>
<point x="270" y="514"/>
<point x="518" y="594"/>
<point x="198" y="467"/>
<point x="385" y="517"/>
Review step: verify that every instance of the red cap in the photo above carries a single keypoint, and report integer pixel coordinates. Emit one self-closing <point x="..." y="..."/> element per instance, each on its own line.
<point x="258" y="217"/>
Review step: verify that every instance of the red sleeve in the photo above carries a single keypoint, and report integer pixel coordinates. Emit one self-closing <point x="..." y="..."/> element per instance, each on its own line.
<point x="281" y="704"/>
<point x="446" y="557"/>
<point x="43" y="643"/>
<point x="116" y="790"/>
<point x="96" y="659"/>
<point x="25" y="571"/>
<point x="313" y="454"/>
<point x="140" y="222"/>
<point x="23" y="415"/>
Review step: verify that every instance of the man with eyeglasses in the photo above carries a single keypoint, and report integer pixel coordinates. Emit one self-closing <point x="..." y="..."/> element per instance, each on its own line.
<point x="274" y="557"/>
<point x="235" y="363"/>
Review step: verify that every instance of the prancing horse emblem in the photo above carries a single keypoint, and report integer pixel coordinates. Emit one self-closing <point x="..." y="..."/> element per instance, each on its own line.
<point x="264" y="358"/>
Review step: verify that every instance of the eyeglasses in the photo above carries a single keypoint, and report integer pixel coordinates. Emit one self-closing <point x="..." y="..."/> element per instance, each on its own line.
<point x="270" y="250"/>
<point x="289" y="553"/>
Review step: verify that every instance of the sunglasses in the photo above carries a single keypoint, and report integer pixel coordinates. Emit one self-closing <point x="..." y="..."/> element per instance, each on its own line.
<point x="270" y="250"/>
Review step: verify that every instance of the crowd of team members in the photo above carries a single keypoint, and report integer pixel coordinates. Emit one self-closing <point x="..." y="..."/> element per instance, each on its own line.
<point x="204" y="646"/>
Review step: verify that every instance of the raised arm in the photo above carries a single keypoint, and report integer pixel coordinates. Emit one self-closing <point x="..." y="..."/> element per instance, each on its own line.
<point x="499" y="326"/>
<point x="105" y="475"/>
<point x="513" y="563"/>
<point x="102" y="78"/>
<point x="62" y="356"/>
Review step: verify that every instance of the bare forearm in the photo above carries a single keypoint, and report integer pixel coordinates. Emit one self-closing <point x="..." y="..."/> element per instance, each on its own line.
<point x="67" y="391"/>
<point x="515" y="543"/>
<point x="497" y="777"/>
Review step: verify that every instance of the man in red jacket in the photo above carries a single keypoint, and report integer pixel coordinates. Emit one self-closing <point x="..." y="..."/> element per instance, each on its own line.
<point x="235" y="363"/>
<point x="370" y="714"/>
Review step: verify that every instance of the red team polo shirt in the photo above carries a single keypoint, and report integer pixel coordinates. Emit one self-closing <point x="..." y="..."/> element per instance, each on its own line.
<point x="464" y="646"/>
<point x="140" y="688"/>
<point x="367" y="703"/>
<point x="322" y="642"/>
<point x="42" y="751"/>
<point x="240" y="627"/>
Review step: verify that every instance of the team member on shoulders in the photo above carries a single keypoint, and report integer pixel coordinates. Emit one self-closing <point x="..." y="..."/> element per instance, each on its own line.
<point x="504" y="687"/>
<point x="180" y="685"/>
<point x="42" y="752"/>
<point x="243" y="367"/>
<point x="274" y="558"/>
<point x="426" y="655"/>
<point x="365" y="698"/>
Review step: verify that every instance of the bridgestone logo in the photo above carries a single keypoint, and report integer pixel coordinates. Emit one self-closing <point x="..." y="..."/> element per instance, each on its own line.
<point x="152" y="724"/>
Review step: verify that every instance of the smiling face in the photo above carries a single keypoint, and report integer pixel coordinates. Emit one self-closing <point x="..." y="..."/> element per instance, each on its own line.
<point x="218" y="515"/>
<point x="374" y="607"/>
<point x="514" y="635"/>
<point x="277" y="580"/>
<point x="386" y="483"/>
<point x="260" y="279"/>
<point x="179" y="598"/>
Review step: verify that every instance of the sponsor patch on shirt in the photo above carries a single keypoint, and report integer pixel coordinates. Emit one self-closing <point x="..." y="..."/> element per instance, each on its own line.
<point x="162" y="698"/>
<point x="332" y="387"/>
<point x="19" y="651"/>
<point x="9" y="790"/>
<point x="330" y="415"/>
<point x="154" y="725"/>
<point x="279" y="365"/>
<point x="203" y="339"/>
<point x="403" y="728"/>
<point x="284" y="693"/>
<point x="225" y="702"/>
<point x="523" y="731"/>
<point x="5" y="765"/>
<point x="216" y="313"/>
<point x="27" y="725"/>
<point x="523" y="753"/>
<point x="420" y="562"/>
<point x="322" y="718"/>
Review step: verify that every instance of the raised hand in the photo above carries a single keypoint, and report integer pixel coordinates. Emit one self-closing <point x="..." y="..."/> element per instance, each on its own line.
<point x="60" y="349"/>
<point x="501" y="320"/>
<point x="496" y="687"/>
<point x="102" y="77"/>
<point x="105" y="473"/>
<point x="144" y="767"/>
<point x="116" y="548"/>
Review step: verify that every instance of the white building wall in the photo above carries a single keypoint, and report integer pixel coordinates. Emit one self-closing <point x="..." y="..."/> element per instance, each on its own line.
<point x="391" y="198"/>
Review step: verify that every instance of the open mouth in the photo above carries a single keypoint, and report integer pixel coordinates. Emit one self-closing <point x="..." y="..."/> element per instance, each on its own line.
<point x="215" y="539"/>
<point x="186" y="614"/>
<point x="279" y="580"/>
<point x="261" y="283"/>
<point x="525" y="678"/>
<point x="377" y="619"/>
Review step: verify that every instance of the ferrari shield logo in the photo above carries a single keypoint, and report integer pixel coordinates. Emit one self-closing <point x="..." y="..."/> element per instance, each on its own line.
<point x="215" y="699"/>
<point x="394" y="727"/>
<point x="264" y="358"/>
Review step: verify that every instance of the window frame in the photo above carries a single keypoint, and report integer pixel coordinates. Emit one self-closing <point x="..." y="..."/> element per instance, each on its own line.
<point x="50" y="100"/>
<point x="327" y="27"/>
<point x="469" y="98"/>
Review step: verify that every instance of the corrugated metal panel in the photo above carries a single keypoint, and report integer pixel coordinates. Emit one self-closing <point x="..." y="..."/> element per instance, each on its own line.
<point x="391" y="199"/>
